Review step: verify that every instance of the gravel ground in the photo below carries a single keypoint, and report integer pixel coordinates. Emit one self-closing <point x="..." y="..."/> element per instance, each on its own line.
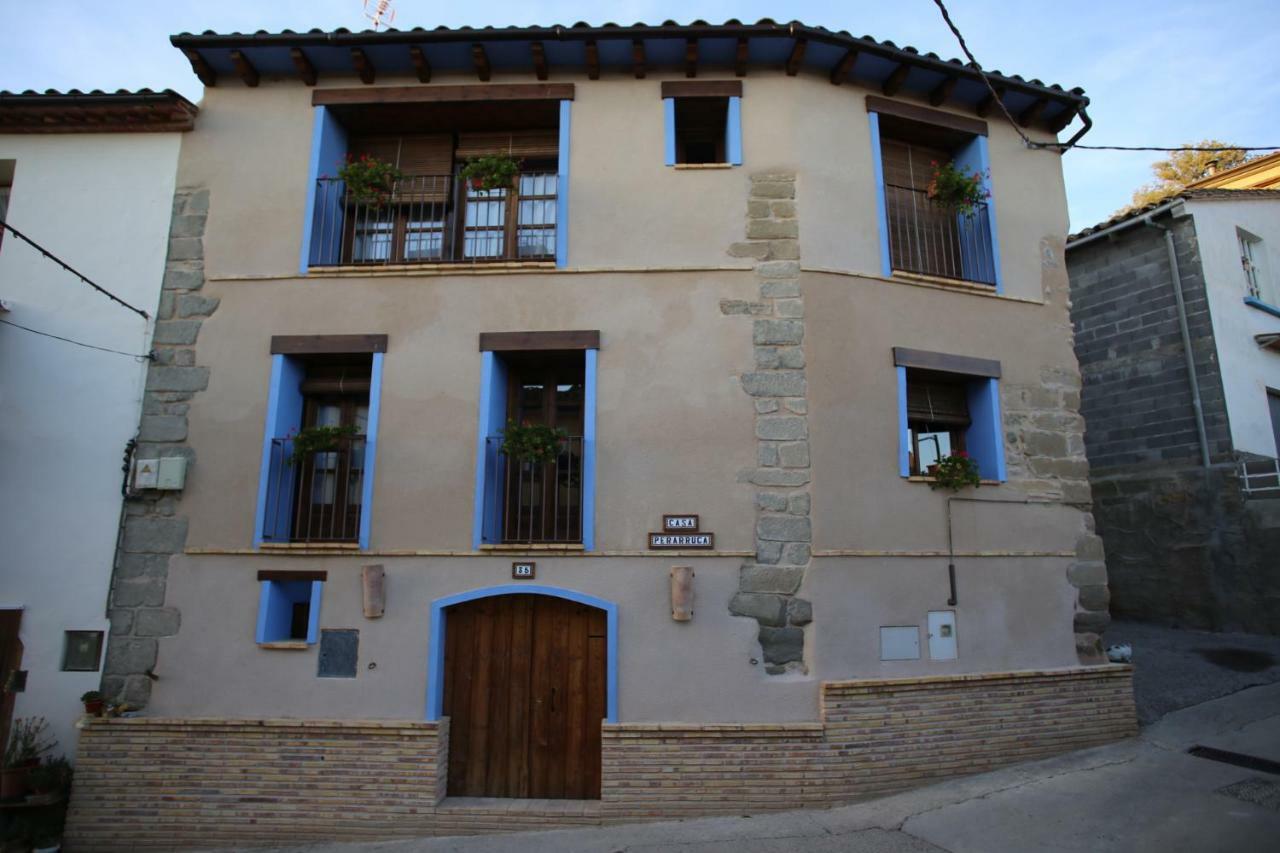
<point x="1176" y="668"/>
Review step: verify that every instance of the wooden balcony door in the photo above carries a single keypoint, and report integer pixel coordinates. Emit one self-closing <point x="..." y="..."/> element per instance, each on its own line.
<point x="525" y="692"/>
<point x="330" y="483"/>
<point x="543" y="502"/>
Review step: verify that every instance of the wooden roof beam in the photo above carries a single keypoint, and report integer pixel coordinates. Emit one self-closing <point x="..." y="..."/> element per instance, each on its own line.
<point x="202" y="69"/>
<point x="420" y="63"/>
<point x="1032" y="114"/>
<point x="984" y="106"/>
<point x="942" y="91"/>
<point x="796" y="57"/>
<point x="740" y="59"/>
<point x="893" y="83"/>
<point x="840" y="72"/>
<point x="691" y="58"/>
<point x="593" y="60"/>
<point x="480" y="60"/>
<point x="306" y="71"/>
<point x="244" y="68"/>
<point x="637" y="58"/>
<point x="362" y="65"/>
<point x="539" y="52"/>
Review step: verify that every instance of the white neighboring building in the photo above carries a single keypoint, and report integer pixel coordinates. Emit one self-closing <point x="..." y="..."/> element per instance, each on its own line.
<point x="90" y="177"/>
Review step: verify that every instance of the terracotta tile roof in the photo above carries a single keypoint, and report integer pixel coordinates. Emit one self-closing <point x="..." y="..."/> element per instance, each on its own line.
<point x="1196" y="195"/>
<point x="96" y="111"/>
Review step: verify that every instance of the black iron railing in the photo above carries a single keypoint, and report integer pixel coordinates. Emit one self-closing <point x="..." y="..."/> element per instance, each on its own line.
<point x="931" y="239"/>
<point x="318" y="496"/>
<point x="432" y="219"/>
<point x="531" y="502"/>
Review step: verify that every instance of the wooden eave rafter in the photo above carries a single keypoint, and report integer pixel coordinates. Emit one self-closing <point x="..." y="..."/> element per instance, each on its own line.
<point x="245" y="69"/>
<point x="420" y="63"/>
<point x="796" y="57"/>
<point x="306" y="71"/>
<point x="840" y="72"/>
<point x="984" y="106"/>
<point x="593" y="60"/>
<point x="943" y="91"/>
<point x="540" y="68"/>
<point x="1032" y="114"/>
<point x="364" y="67"/>
<point x="638" y="59"/>
<point x="480" y="60"/>
<point x="1063" y="119"/>
<point x="895" y="80"/>
<point x="691" y="58"/>
<point x="740" y="58"/>
<point x="202" y="69"/>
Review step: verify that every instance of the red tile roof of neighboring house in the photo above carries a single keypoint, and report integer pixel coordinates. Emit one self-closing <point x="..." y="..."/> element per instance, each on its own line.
<point x="52" y="111"/>
<point x="1198" y="195"/>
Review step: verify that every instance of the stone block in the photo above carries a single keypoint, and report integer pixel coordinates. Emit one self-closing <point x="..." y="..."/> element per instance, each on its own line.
<point x="778" y="331"/>
<point x="1046" y="444"/>
<point x="778" y="269"/>
<point x="780" y="579"/>
<point x="162" y="428"/>
<point x="127" y="655"/>
<point x="142" y="592"/>
<point x="164" y="310"/>
<point x="798" y="504"/>
<point x="758" y="251"/>
<point x="790" y="477"/>
<point x="783" y="528"/>
<point x="790" y="308"/>
<point x="149" y="535"/>
<point x="121" y="621"/>
<point x="765" y="407"/>
<point x="780" y="209"/>
<point x="181" y="332"/>
<point x="767" y="358"/>
<point x="1068" y="469"/>
<point x="782" y="428"/>
<point x="767" y="454"/>
<point x="771" y="501"/>
<point x="742" y="306"/>
<point x="177" y="378"/>
<point x="799" y="611"/>
<point x="184" y="357"/>
<point x="784" y="250"/>
<point x="771" y="177"/>
<point x="769" y="553"/>
<point x="795" y="554"/>
<point x="794" y="455"/>
<point x="137" y="691"/>
<point x="773" y="189"/>
<point x="782" y="383"/>
<point x="1092" y="621"/>
<point x="183" y="279"/>
<point x="187" y="225"/>
<point x="796" y="405"/>
<point x="758" y="208"/>
<point x="161" y="622"/>
<point x="781" y="288"/>
<point x="1090" y="548"/>
<point x="191" y="305"/>
<point x="767" y="229"/>
<point x="197" y="202"/>
<point x="1095" y="597"/>
<point x="791" y="358"/>
<point x="1081" y="574"/>
<point x="192" y="248"/>
<point x="782" y="645"/>
<point x="142" y="566"/>
<point x="766" y="608"/>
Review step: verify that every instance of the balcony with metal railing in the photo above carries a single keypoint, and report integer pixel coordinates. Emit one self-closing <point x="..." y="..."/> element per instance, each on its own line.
<point x="315" y="496"/>
<point x="534" y="502"/>
<point x="435" y="219"/>
<point x="930" y="239"/>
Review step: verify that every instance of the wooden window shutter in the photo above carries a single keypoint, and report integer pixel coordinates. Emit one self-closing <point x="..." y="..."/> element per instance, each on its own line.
<point x="517" y="143"/>
<point x="427" y="155"/>
<point x="907" y="165"/>
<point x="937" y="402"/>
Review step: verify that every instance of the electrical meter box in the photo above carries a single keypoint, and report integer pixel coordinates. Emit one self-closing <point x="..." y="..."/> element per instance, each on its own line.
<point x="167" y="474"/>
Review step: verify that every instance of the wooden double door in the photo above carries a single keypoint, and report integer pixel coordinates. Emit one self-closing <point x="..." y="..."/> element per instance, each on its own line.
<point x="525" y="694"/>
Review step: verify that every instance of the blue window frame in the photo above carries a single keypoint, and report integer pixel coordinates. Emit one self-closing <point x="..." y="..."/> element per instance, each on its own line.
<point x="972" y="417"/>
<point x="729" y="150"/>
<point x="289" y="610"/>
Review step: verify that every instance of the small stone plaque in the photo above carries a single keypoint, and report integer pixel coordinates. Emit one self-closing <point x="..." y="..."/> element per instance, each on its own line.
<point x="339" y="652"/>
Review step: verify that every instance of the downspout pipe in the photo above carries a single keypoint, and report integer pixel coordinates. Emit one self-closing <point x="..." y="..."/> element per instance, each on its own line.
<point x="1175" y="281"/>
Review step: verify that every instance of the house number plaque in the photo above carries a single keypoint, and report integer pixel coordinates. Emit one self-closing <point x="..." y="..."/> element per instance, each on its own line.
<point x="524" y="571"/>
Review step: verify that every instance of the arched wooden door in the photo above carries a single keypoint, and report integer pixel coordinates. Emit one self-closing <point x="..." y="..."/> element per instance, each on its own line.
<point x="525" y="692"/>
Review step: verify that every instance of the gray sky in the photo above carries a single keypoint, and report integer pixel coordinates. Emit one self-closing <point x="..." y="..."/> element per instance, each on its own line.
<point x="1159" y="73"/>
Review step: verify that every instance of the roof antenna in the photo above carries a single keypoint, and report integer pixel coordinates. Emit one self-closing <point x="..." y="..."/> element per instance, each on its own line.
<point x="382" y="12"/>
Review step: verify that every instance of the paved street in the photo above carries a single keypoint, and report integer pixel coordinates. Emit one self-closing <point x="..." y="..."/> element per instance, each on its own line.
<point x="1145" y="794"/>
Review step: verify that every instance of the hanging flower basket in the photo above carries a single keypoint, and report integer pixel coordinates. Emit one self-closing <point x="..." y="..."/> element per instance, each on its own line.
<point x="321" y="439"/>
<point x="491" y="172"/>
<point x="955" y="189"/>
<point x="536" y="443"/>
<point x="369" y="180"/>
<point x="955" y="472"/>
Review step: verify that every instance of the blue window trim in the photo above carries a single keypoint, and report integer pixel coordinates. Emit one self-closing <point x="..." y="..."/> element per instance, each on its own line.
<point x="435" y="653"/>
<point x="669" y="129"/>
<point x="1254" y="302"/>
<point x="589" y="452"/>
<point x="269" y="630"/>
<point x="562" y="188"/>
<point x="371" y="449"/>
<point x="904" y="439"/>
<point x="882" y="210"/>
<point x="733" y="132"/>
<point x="984" y="437"/>
<point x="328" y="148"/>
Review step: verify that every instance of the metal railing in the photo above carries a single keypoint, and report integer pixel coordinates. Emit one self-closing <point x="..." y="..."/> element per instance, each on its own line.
<point x="435" y="219"/>
<point x="318" y="496"/>
<point x="1260" y="478"/>
<point x="927" y="238"/>
<point x="531" y="502"/>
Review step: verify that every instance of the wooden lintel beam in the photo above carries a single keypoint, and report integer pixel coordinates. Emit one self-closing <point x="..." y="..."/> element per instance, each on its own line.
<point x="893" y="83"/>
<point x="202" y="69"/>
<point x="244" y="68"/>
<point x="1063" y="118"/>
<point x="363" y="66"/>
<point x="840" y="72"/>
<point x="740" y="59"/>
<point x="942" y="91"/>
<point x="420" y="63"/>
<point x="985" y="105"/>
<point x="540" y="69"/>
<point x="593" y="61"/>
<point x="691" y="58"/>
<point x="1032" y="114"/>
<point x="637" y="58"/>
<point x="306" y="71"/>
<point x="480" y="60"/>
<point x="796" y="57"/>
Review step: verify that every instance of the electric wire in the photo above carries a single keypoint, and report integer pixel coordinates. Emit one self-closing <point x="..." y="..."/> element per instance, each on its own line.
<point x="133" y="355"/>
<point x="1061" y="147"/>
<point x="42" y="250"/>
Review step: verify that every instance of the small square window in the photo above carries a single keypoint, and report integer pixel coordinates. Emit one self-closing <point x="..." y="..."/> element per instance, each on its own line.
<point x="700" y="130"/>
<point x="1253" y="262"/>
<point x="288" y="610"/>
<point x="948" y="404"/>
<point x="82" y="651"/>
<point x="937" y="418"/>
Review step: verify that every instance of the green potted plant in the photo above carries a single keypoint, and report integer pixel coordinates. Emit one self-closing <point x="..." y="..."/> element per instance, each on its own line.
<point x="491" y="172"/>
<point x="49" y="781"/>
<point x="955" y="472"/>
<point x="317" y="439"/>
<point x="955" y="189"/>
<point x="28" y="740"/>
<point x="536" y="443"/>
<point x="93" y="703"/>
<point x="369" y="180"/>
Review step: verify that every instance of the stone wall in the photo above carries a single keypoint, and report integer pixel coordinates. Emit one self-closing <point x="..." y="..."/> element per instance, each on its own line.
<point x="171" y="784"/>
<point x="153" y="529"/>
<point x="777" y="386"/>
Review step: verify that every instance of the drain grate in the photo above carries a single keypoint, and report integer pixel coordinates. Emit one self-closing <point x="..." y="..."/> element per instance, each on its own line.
<point x="1239" y="759"/>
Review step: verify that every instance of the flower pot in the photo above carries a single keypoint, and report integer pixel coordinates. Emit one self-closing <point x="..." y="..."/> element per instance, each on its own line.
<point x="13" y="782"/>
<point x="94" y="707"/>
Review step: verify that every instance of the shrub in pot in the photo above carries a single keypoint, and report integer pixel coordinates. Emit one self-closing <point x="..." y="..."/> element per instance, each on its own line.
<point x="28" y="740"/>
<point x="93" y="703"/>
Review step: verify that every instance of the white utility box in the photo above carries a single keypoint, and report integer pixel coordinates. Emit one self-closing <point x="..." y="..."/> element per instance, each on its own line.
<point x="899" y="642"/>
<point x="167" y="474"/>
<point x="942" y="635"/>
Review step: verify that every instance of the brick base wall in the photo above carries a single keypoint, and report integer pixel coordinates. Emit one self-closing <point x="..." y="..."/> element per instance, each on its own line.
<point x="154" y="783"/>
